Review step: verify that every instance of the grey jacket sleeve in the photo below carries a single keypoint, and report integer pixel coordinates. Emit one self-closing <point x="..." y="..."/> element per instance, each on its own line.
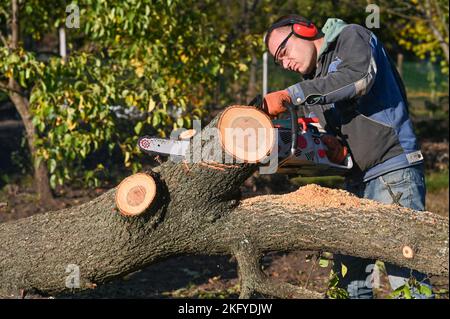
<point x="353" y="77"/>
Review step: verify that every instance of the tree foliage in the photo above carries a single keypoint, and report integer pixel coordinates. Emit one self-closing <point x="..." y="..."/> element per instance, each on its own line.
<point x="423" y="26"/>
<point x="160" y="59"/>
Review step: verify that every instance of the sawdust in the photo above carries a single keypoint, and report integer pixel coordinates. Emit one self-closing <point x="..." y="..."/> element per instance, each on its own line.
<point x="313" y="195"/>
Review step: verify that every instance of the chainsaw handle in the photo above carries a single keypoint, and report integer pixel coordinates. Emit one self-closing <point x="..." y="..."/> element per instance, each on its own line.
<point x="294" y="126"/>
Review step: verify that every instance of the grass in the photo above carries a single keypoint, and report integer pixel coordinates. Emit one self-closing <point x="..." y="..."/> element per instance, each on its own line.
<point x="437" y="181"/>
<point x="423" y="76"/>
<point x="326" y="181"/>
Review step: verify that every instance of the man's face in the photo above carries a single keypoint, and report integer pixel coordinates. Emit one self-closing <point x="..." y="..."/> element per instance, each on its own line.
<point x="298" y="55"/>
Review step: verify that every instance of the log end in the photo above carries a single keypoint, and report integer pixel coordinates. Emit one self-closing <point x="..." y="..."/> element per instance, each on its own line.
<point x="135" y="194"/>
<point x="246" y="133"/>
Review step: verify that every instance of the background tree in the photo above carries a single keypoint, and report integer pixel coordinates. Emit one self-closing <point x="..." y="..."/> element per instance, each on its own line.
<point x="158" y="59"/>
<point x="423" y="26"/>
<point x="145" y="67"/>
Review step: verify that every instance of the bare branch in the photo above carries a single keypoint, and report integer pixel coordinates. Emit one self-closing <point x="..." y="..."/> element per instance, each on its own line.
<point x="402" y="15"/>
<point x="441" y="17"/>
<point x="15" y="25"/>
<point x="437" y="33"/>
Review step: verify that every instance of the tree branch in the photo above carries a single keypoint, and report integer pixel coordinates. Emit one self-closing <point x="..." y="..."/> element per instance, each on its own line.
<point x="200" y="212"/>
<point x="437" y="33"/>
<point x="8" y="88"/>
<point x="253" y="279"/>
<point x="15" y="25"/>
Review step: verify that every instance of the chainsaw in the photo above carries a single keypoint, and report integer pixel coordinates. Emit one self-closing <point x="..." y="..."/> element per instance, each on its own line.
<point x="300" y="148"/>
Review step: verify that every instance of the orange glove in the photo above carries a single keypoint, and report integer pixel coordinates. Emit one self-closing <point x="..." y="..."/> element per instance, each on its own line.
<point x="336" y="152"/>
<point x="273" y="102"/>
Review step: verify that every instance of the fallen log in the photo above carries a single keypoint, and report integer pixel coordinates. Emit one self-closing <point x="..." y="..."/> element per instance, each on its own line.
<point x="194" y="207"/>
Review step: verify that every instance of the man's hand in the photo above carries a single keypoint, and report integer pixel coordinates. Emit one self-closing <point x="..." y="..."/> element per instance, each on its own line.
<point x="273" y="102"/>
<point x="336" y="152"/>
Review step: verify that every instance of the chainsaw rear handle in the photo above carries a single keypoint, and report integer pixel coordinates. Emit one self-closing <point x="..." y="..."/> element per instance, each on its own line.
<point x="294" y="125"/>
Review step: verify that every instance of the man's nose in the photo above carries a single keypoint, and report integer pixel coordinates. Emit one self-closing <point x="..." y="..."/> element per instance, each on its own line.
<point x="285" y="63"/>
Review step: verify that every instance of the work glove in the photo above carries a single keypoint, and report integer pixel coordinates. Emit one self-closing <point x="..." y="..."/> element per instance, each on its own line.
<point x="273" y="102"/>
<point x="336" y="152"/>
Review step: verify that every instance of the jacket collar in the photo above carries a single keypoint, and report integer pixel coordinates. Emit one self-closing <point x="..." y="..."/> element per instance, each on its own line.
<point x="331" y="29"/>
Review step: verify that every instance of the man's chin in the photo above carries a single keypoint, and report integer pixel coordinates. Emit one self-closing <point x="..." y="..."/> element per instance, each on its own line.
<point x="303" y="71"/>
<point x="307" y="72"/>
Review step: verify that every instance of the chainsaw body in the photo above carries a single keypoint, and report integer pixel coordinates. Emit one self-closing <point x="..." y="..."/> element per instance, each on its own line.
<point x="300" y="148"/>
<point x="308" y="157"/>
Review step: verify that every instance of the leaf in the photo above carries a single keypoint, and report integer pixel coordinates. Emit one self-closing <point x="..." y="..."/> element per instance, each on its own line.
<point x="243" y="67"/>
<point x="138" y="127"/>
<point x="323" y="263"/>
<point x="52" y="165"/>
<point x="151" y="105"/>
<point x="139" y="71"/>
<point x="130" y="100"/>
<point x="184" y="58"/>
<point x="156" y="119"/>
<point x="53" y="181"/>
<point x="425" y="290"/>
<point x="343" y="270"/>
<point x="407" y="292"/>
<point x="127" y="159"/>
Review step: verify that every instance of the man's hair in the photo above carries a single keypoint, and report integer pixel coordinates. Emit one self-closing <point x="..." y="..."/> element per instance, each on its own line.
<point x="283" y="21"/>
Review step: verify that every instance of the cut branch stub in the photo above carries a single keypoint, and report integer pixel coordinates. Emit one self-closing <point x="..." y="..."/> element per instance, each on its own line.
<point x="135" y="194"/>
<point x="187" y="134"/>
<point x="246" y="133"/>
<point x="408" y="252"/>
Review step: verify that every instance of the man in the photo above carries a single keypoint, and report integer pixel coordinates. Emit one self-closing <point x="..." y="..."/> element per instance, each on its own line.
<point x="355" y="90"/>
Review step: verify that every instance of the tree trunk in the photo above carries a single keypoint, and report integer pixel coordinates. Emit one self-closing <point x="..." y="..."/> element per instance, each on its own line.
<point x="22" y="105"/>
<point x="197" y="210"/>
<point x="41" y="179"/>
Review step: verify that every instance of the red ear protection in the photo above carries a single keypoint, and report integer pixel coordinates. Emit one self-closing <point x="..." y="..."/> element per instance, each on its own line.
<point x="301" y="27"/>
<point x="303" y="30"/>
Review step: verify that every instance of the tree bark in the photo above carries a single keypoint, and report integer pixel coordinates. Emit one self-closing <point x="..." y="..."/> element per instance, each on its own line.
<point x="198" y="210"/>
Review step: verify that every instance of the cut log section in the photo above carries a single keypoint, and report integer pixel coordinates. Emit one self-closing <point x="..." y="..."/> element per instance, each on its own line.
<point x="246" y="133"/>
<point x="135" y="194"/>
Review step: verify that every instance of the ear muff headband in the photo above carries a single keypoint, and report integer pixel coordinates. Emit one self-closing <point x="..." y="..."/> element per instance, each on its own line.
<point x="302" y="28"/>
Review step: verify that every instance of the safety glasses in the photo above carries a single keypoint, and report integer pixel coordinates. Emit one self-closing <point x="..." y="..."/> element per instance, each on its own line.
<point x="280" y="48"/>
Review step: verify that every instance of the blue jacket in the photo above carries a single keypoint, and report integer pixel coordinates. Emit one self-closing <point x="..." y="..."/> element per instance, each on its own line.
<point x="357" y="93"/>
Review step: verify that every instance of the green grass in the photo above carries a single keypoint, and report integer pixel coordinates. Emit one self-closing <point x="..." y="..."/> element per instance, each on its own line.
<point x="326" y="181"/>
<point x="422" y="76"/>
<point x="436" y="181"/>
